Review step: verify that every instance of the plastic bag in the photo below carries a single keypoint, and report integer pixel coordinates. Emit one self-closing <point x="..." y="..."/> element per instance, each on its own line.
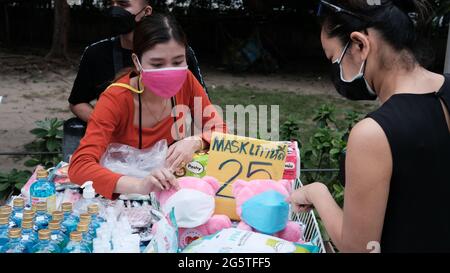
<point x="138" y="216"/>
<point x="129" y="161"/>
<point x="165" y="239"/>
<point x="234" y="240"/>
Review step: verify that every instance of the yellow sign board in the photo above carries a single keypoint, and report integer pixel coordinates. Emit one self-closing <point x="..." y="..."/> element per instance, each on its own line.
<point x="234" y="157"/>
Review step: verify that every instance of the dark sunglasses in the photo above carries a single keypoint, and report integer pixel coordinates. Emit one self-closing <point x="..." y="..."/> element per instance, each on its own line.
<point x="337" y="9"/>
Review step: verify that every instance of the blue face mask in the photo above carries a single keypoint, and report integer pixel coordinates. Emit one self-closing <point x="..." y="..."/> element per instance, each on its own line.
<point x="267" y="212"/>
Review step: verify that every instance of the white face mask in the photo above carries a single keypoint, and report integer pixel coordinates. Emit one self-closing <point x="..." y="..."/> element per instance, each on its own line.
<point x="193" y="208"/>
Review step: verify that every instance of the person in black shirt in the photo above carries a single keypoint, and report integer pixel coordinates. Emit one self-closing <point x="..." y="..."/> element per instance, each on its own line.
<point x="103" y="60"/>
<point x="397" y="167"/>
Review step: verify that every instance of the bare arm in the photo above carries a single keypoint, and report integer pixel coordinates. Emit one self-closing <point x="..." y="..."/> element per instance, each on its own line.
<point x="158" y="180"/>
<point x="83" y="110"/>
<point x="368" y="174"/>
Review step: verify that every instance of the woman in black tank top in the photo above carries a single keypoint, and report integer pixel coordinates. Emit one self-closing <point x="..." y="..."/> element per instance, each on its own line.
<point x="398" y="158"/>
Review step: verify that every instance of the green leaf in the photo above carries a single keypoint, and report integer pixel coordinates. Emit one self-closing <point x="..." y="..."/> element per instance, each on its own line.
<point x="39" y="132"/>
<point x="4" y="186"/>
<point x="318" y="135"/>
<point x="59" y="124"/>
<point x="19" y="186"/>
<point x="334" y="151"/>
<point x="31" y="162"/>
<point x="44" y="124"/>
<point x="60" y="134"/>
<point x="52" y="144"/>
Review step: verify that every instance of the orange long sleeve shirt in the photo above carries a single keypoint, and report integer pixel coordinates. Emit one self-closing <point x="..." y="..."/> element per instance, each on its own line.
<point x="112" y="121"/>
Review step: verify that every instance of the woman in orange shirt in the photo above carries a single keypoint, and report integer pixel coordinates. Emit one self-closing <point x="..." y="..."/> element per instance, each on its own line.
<point x="145" y="106"/>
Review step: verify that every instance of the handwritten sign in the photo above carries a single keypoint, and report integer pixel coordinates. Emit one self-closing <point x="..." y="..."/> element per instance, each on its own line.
<point x="234" y="157"/>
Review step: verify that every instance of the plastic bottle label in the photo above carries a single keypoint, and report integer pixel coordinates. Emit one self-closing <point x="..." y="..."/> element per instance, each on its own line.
<point x="51" y="202"/>
<point x="19" y="215"/>
<point x="40" y="218"/>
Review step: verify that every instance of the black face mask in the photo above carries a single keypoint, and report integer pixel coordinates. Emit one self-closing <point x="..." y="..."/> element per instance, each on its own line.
<point x="355" y="89"/>
<point x="122" y="21"/>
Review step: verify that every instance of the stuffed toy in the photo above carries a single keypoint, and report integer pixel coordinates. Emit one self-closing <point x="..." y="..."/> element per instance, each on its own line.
<point x="262" y="207"/>
<point x="194" y="206"/>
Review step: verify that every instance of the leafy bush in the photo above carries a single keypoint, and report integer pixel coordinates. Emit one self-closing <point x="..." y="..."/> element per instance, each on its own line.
<point x="48" y="140"/>
<point x="11" y="183"/>
<point x="290" y="130"/>
<point x="325" y="148"/>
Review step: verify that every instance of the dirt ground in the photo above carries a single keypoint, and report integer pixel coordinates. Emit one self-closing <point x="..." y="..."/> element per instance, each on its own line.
<point x="32" y="89"/>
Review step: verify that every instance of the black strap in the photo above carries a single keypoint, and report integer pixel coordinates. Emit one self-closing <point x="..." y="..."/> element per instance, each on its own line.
<point x="444" y="93"/>
<point x="173" y="101"/>
<point x="195" y="67"/>
<point x="140" y="122"/>
<point x="117" y="55"/>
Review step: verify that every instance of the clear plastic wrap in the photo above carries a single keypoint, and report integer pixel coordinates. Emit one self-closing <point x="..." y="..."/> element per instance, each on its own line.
<point x="129" y="161"/>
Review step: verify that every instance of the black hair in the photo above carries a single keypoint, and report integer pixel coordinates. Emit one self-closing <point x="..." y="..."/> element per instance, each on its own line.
<point x="156" y="29"/>
<point x="152" y="30"/>
<point x="402" y="24"/>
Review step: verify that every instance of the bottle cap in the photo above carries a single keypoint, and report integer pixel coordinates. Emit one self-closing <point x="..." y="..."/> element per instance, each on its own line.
<point x="93" y="209"/>
<point x="41" y="174"/>
<point x="44" y="234"/>
<point x="85" y="217"/>
<point x="29" y="212"/>
<point x="58" y="215"/>
<point x="6" y="209"/>
<point x="19" y="202"/>
<point x="54" y="225"/>
<point x="67" y="207"/>
<point x="83" y="227"/>
<point x="41" y="206"/>
<point x="4" y="220"/>
<point x="27" y="223"/>
<point x="76" y="236"/>
<point x="15" y="233"/>
<point x="4" y="214"/>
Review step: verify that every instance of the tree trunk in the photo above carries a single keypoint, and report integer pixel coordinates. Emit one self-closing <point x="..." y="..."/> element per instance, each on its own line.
<point x="60" y="31"/>
<point x="7" y="26"/>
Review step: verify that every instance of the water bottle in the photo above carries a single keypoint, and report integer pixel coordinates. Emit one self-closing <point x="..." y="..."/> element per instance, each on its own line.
<point x="4" y="227"/>
<point x="29" y="235"/>
<point x="59" y="217"/>
<point x="41" y="218"/>
<point x="95" y="219"/>
<point x="7" y="211"/>
<point x="75" y="245"/>
<point x="87" y="240"/>
<point x="70" y="221"/>
<point x="17" y="212"/>
<point x="56" y="235"/>
<point x="29" y="215"/>
<point x="14" y="244"/>
<point x="45" y="245"/>
<point x="43" y="191"/>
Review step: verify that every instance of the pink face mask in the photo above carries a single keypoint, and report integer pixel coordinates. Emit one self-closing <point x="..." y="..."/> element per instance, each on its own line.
<point x="165" y="82"/>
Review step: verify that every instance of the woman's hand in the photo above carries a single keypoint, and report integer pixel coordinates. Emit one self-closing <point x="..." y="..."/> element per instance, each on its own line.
<point x="182" y="152"/>
<point x="160" y="180"/>
<point x="302" y="199"/>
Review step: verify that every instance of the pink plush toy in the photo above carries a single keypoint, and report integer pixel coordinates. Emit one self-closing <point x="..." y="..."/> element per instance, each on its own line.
<point x="212" y="223"/>
<point x="243" y="191"/>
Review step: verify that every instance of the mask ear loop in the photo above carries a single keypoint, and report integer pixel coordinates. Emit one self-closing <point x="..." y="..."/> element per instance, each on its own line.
<point x="140" y="121"/>
<point x="339" y="60"/>
<point x="362" y="69"/>
<point x="140" y="91"/>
